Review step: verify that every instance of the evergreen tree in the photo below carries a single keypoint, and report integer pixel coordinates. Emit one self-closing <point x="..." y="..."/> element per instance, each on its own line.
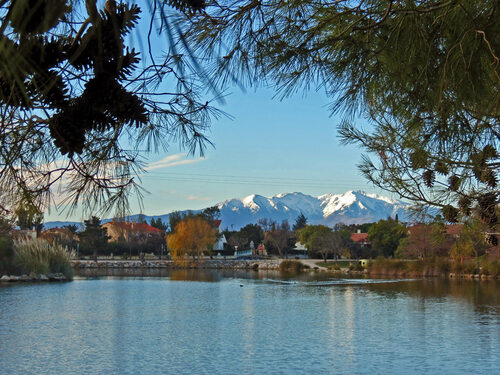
<point x="29" y="219"/>
<point x="210" y="214"/>
<point x="252" y="233"/>
<point x="93" y="238"/>
<point x="300" y="222"/>
<point x="158" y="223"/>
<point x="425" y="74"/>
<point x="72" y="91"/>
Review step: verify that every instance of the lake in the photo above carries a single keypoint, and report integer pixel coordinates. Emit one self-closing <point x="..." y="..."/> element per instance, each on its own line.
<point x="204" y="322"/>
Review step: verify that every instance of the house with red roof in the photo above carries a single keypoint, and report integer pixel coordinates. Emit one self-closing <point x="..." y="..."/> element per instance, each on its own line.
<point x="360" y="238"/>
<point x="59" y="235"/>
<point x="128" y="231"/>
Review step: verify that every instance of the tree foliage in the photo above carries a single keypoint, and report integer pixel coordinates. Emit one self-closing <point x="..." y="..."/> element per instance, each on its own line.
<point x="29" y="218"/>
<point x="331" y="243"/>
<point x="385" y="236"/>
<point x="159" y="224"/>
<point x="93" y="238"/>
<point x="323" y="241"/>
<point x="423" y="241"/>
<point x="308" y="234"/>
<point x="471" y="241"/>
<point x="77" y="105"/>
<point x="253" y="233"/>
<point x="300" y="222"/>
<point x="277" y="237"/>
<point x="6" y="245"/>
<point x="192" y="237"/>
<point x="210" y="214"/>
<point x="425" y="74"/>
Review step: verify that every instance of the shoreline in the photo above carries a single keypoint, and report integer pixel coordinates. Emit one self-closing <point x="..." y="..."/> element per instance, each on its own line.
<point x="257" y="264"/>
<point x="34" y="277"/>
<point x="224" y="264"/>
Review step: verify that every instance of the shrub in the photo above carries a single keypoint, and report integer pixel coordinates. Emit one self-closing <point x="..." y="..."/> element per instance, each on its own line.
<point x="491" y="268"/>
<point x="442" y="265"/>
<point x="6" y="254"/>
<point x="383" y="266"/>
<point x="355" y="267"/>
<point x="427" y="267"/>
<point x="291" y="266"/>
<point x="465" y="268"/>
<point x="40" y="257"/>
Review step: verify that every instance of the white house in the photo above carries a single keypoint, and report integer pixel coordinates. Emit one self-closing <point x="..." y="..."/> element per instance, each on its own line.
<point x="219" y="243"/>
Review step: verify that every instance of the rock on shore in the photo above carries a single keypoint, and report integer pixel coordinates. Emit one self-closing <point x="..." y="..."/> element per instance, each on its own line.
<point x="33" y="277"/>
<point x="268" y="264"/>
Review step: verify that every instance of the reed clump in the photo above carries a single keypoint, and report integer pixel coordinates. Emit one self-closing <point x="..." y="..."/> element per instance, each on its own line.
<point x="422" y="267"/>
<point x="291" y="266"/>
<point x="490" y="268"/>
<point x="41" y="257"/>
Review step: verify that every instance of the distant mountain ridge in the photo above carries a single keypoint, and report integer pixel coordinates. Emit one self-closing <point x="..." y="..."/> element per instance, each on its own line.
<point x="351" y="207"/>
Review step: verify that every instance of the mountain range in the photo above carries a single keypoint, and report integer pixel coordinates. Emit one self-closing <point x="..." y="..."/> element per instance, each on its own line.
<point x="352" y="207"/>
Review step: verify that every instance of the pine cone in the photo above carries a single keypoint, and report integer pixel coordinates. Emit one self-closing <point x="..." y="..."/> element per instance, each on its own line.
<point x="454" y="183"/>
<point x="450" y="213"/>
<point x="428" y="176"/>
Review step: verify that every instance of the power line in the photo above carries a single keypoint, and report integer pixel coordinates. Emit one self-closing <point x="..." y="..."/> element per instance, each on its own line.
<point x="234" y="176"/>
<point x="238" y="179"/>
<point x="245" y="180"/>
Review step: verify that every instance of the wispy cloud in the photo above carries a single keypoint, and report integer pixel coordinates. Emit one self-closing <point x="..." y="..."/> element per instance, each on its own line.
<point x="197" y="198"/>
<point x="171" y="161"/>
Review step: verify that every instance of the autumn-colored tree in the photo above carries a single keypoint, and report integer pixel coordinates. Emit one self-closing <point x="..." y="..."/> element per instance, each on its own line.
<point x="191" y="237"/>
<point x="423" y="241"/>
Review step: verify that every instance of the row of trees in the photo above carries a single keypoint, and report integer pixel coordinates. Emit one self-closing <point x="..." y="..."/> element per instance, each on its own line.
<point x="280" y="238"/>
<point x="425" y="74"/>
<point x="388" y="238"/>
<point x="194" y="234"/>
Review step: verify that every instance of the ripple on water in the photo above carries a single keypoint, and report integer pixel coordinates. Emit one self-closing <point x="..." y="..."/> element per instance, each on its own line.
<point x="271" y="326"/>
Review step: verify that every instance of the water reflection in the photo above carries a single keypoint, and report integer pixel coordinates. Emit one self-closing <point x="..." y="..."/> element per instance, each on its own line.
<point x="250" y="323"/>
<point x="485" y="295"/>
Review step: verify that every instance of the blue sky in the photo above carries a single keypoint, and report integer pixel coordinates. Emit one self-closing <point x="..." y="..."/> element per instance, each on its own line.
<point x="270" y="146"/>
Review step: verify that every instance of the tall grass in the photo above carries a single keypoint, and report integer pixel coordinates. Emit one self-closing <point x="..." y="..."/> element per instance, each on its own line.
<point x="434" y="267"/>
<point x="490" y="268"/>
<point x="6" y="254"/>
<point x="292" y="266"/>
<point x="40" y="257"/>
<point x="395" y="267"/>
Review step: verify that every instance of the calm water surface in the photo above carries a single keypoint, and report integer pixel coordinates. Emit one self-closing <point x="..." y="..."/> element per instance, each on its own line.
<point x="250" y="323"/>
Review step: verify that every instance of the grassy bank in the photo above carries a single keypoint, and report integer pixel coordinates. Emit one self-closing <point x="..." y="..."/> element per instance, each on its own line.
<point x="334" y="265"/>
<point x="40" y="257"/>
<point x="433" y="267"/>
<point x="338" y="265"/>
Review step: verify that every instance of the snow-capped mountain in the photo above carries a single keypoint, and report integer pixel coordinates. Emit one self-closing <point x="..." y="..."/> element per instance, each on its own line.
<point x="352" y="207"/>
